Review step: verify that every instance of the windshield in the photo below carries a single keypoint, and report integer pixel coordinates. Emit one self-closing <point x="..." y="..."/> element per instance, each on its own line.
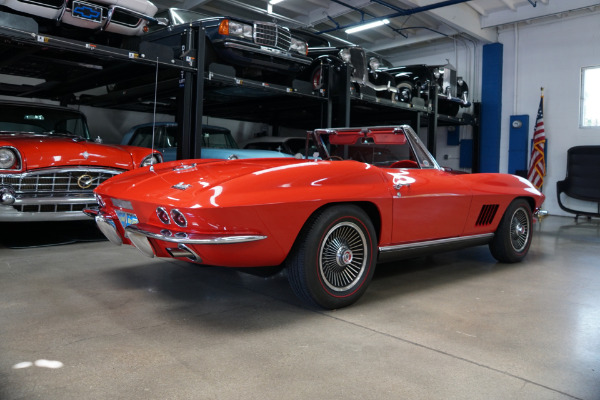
<point x="388" y="147"/>
<point x="41" y="120"/>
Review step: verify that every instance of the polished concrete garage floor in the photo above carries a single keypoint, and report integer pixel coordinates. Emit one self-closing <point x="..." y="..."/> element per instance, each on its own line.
<point x="83" y="319"/>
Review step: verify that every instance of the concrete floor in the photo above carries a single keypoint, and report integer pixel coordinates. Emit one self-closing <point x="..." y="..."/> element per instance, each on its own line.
<point x="88" y="320"/>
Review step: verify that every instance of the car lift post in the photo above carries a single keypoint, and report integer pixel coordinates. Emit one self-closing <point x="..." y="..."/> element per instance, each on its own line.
<point x="189" y="112"/>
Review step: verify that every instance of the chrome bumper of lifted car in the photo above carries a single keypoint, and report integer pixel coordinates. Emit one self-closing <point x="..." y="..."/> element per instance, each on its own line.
<point x="272" y="53"/>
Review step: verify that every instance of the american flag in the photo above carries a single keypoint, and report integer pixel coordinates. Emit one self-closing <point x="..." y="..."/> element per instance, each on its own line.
<point x="537" y="163"/>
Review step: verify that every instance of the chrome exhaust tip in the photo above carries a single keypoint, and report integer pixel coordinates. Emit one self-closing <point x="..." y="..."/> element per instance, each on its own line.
<point x="184" y="251"/>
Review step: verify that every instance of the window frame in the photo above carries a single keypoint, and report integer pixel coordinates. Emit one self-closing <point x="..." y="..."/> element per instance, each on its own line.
<point x="583" y="98"/>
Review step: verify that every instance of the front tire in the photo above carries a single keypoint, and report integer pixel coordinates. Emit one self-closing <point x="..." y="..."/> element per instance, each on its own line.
<point x="334" y="257"/>
<point x="513" y="236"/>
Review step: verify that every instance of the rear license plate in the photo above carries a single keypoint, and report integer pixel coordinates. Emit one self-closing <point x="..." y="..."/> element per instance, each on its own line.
<point x="87" y="11"/>
<point x="127" y="219"/>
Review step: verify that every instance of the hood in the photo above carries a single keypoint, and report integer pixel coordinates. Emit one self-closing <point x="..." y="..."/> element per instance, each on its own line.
<point x="42" y="151"/>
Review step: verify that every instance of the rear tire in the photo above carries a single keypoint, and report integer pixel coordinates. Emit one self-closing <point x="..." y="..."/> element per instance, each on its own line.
<point x="334" y="257"/>
<point x="405" y="93"/>
<point x="513" y="236"/>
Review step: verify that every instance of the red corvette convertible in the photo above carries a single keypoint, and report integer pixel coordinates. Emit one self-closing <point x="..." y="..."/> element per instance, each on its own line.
<point x="369" y="195"/>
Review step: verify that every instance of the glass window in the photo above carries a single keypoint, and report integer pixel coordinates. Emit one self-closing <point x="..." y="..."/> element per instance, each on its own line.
<point x="590" y="97"/>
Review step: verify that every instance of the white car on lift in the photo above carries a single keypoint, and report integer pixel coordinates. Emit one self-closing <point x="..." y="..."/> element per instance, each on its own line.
<point x="123" y="17"/>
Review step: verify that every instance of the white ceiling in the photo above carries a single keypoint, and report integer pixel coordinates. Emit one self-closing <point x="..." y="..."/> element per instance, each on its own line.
<point x="412" y="22"/>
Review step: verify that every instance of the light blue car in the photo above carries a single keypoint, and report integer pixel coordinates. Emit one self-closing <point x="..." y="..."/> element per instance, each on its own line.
<point x="217" y="142"/>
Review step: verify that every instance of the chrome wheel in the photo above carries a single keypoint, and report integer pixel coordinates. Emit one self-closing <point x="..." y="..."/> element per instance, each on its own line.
<point x="519" y="230"/>
<point x="513" y="236"/>
<point x="334" y="257"/>
<point x="342" y="258"/>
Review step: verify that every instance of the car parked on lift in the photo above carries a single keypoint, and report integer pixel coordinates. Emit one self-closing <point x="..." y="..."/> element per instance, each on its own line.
<point x="328" y="220"/>
<point x="416" y="82"/>
<point x="259" y="50"/>
<point x="330" y="59"/>
<point x="49" y="166"/>
<point x="217" y="142"/>
<point x="129" y="18"/>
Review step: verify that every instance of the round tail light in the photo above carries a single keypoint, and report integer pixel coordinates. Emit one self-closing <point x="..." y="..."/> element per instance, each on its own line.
<point x="163" y="215"/>
<point x="178" y="218"/>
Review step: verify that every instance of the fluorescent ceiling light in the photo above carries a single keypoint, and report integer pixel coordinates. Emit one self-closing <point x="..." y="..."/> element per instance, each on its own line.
<point x="275" y="1"/>
<point x="368" y="26"/>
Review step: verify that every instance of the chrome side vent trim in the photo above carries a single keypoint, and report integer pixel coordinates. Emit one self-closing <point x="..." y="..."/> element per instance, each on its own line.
<point x="487" y="214"/>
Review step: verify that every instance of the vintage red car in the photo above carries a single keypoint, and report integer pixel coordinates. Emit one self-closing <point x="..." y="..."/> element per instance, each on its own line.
<point x="370" y="195"/>
<point x="49" y="167"/>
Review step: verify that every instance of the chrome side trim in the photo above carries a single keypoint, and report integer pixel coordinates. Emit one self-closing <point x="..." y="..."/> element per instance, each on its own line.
<point x="390" y="253"/>
<point x="167" y="236"/>
<point x="437" y="242"/>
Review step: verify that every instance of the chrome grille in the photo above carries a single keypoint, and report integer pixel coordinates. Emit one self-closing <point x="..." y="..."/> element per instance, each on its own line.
<point x="41" y="208"/>
<point x="58" y="181"/>
<point x="272" y="35"/>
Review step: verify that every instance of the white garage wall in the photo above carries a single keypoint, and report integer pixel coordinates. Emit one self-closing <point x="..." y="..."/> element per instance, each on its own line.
<point x="550" y="54"/>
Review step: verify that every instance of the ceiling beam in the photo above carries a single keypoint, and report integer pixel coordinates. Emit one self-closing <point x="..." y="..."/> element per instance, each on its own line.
<point x="543" y="9"/>
<point x="460" y="17"/>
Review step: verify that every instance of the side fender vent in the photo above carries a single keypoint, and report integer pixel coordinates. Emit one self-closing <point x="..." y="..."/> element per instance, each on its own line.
<point x="487" y="214"/>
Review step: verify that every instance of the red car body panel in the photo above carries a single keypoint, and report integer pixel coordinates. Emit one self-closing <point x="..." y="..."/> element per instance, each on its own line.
<point x="41" y="151"/>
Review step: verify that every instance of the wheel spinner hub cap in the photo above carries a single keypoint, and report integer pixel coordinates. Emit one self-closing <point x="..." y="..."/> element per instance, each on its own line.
<point x="344" y="256"/>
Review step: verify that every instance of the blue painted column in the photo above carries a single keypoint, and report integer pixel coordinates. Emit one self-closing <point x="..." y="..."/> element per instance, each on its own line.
<point x="491" y="107"/>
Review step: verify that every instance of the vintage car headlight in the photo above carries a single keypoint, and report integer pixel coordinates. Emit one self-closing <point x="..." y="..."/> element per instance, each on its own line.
<point x="9" y="158"/>
<point x="299" y="46"/>
<point x="374" y="63"/>
<point x="151" y="160"/>
<point x="234" y="28"/>
<point x="345" y="55"/>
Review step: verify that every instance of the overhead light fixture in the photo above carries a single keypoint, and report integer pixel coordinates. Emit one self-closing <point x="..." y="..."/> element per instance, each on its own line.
<point x="274" y="1"/>
<point x="368" y="26"/>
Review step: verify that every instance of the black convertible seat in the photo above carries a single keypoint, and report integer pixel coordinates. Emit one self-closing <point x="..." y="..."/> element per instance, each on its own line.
<point x="583" y="178"/>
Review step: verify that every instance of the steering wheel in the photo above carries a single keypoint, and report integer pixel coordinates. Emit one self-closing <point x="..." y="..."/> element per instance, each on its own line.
<point x="405" y="164"/>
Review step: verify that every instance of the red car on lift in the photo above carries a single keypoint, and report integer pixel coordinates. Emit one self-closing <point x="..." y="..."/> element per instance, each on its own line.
<point x="372" y="194"/>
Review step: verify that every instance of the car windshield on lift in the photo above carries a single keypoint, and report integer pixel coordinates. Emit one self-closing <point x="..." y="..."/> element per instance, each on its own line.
<point x="40" y="120"/>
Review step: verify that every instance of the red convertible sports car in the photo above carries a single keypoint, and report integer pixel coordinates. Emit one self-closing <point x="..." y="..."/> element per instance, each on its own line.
<point x="371" y="194"/>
